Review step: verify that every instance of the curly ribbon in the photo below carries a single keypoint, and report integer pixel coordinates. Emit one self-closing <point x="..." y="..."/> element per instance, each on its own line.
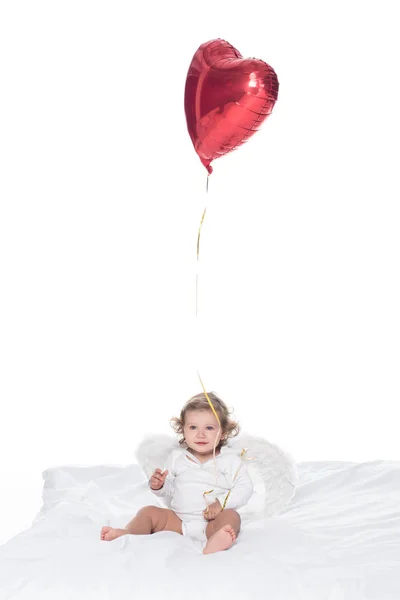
<point x="198" y="252"/>
<point x="197" y="277"/>
<point x="216" y="437"/>
<point x="202" y="385"/>
<point x="244" y="450"/>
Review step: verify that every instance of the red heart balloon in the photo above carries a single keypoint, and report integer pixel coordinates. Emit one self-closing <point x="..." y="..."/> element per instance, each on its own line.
<point x="227" y="97"/>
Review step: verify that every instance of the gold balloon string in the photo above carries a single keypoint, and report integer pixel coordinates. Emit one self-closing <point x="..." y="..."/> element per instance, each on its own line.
<point x="198" y="252"/>
<point x="216" y="437"/>
<point x="198" y="247"/>
<point x="202" y="385"/>
<point x="233" y="480"/>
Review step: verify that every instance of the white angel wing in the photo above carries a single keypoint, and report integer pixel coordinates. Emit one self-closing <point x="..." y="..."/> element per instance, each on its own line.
<point x="273" y="471"/>
<point x="152" y="454"/>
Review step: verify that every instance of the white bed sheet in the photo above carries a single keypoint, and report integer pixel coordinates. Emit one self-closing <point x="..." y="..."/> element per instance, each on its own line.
<point x="338" y="539"/>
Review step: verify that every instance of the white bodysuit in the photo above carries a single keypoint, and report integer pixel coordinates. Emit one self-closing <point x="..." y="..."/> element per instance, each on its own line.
<point x="188" y="478"/>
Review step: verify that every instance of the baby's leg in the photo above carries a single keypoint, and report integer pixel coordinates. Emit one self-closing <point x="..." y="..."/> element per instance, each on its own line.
<point x="149" y="519"/>
<point x="222" y="531"/>
<point x="152" y="519"/>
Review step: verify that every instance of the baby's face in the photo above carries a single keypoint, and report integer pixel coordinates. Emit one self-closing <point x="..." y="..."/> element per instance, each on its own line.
<point x="201" y="431"/>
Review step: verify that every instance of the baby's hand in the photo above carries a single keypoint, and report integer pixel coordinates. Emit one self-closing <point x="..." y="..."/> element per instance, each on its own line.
<point x="212" y="511"/>
<point x="157" y="479"/>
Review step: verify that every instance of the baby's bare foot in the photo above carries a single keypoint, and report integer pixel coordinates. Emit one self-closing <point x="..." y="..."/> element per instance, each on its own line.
<point x="109" y="533"/>
<point x="220" y="540"/>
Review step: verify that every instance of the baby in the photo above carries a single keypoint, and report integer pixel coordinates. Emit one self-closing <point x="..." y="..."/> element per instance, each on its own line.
<point x="204" y="493"/>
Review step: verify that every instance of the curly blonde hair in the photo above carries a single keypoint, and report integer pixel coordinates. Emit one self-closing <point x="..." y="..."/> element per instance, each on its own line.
<point x="229" y="428"/>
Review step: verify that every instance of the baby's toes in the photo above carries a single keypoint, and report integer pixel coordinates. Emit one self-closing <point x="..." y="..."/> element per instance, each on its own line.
<point x="229" y="529"/>
<point x="103" y="532"/>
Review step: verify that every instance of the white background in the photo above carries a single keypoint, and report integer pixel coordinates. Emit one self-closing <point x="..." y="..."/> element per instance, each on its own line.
<point x="101" y="199"/>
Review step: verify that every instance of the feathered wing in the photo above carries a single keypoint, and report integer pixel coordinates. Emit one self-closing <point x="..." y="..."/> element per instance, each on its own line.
<point x="152" y="453"/>
<point x="273" y="471"/>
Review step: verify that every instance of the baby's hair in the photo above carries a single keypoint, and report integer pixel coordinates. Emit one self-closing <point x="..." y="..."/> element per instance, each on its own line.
<point x="229" y="428"/>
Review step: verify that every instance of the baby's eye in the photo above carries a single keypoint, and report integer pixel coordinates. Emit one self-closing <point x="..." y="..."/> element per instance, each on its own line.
<point x="192" y="426"/>
<point x="210" y="427"/>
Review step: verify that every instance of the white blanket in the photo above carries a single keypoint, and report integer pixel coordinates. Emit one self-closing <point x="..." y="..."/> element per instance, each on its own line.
<point x="338" y="539"/>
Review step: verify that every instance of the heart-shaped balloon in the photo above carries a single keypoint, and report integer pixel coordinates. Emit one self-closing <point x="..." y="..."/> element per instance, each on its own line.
<point x="227" y="97"/>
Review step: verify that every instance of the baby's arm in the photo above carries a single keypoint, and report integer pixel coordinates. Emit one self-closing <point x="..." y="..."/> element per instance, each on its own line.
<point x="168" y="487"/>
<point x="241" y="490"/>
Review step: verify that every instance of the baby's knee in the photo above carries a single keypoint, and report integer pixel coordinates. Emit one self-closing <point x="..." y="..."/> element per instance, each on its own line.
<point x="232" y="511"/>
<point x="233" y="515"/>
<point x="148" y="511"/>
